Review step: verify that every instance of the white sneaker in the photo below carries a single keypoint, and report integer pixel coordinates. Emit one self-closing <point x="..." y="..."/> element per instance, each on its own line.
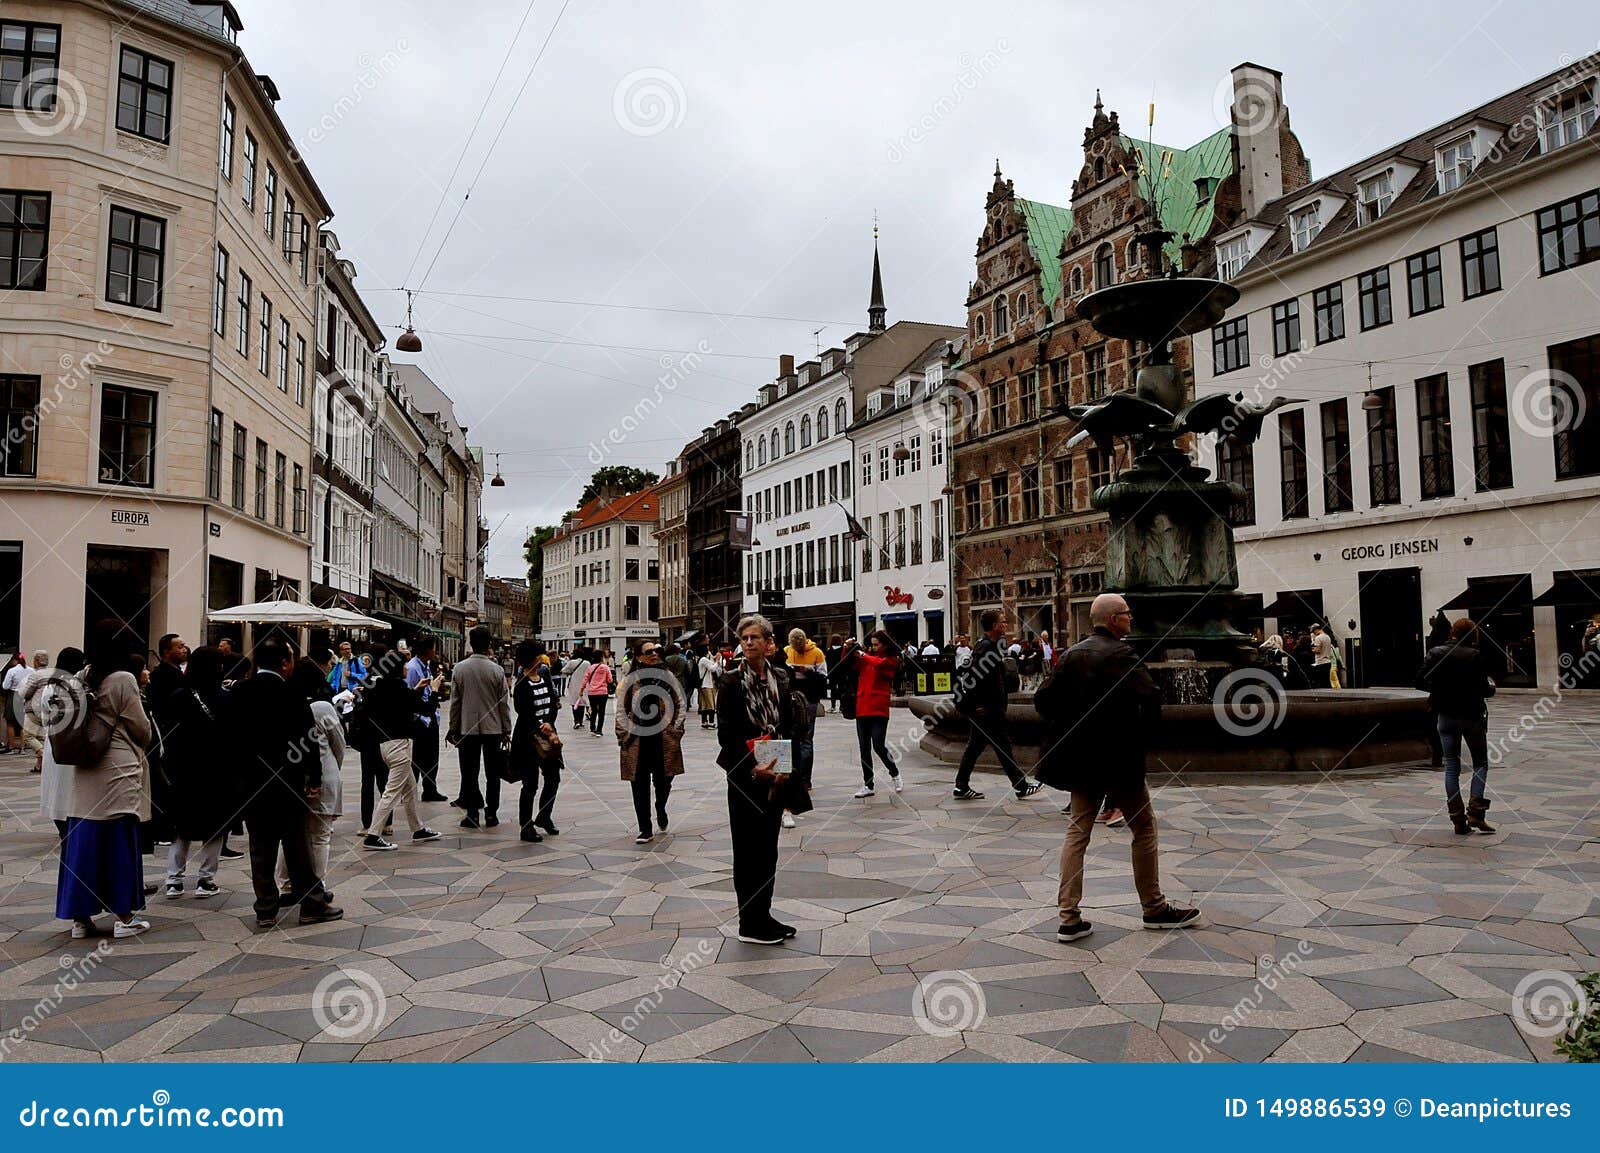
<point x="788" y="820"/>
<point x="174" y="891"/>
<point x="132" y="927"/>
<point x="866" y="791"/>
<point x="84" y="929"/>
<point x="899" y="785"/>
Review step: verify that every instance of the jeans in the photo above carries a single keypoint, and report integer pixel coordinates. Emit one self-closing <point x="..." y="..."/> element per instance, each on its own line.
<point x="988" y="730"/>
<point x="1474" y="731"/>
<point x="873" y="733"/>
<point x="178" y="859"/>
<point x="401" y="791"/>
<point x="650" y="767"/>
<point x="754" y="822"/>
<point x="425" y="757"/>
<point x="1080" y="824"/>
<point x="486" y="749"/>
<point x="597" y="713"/>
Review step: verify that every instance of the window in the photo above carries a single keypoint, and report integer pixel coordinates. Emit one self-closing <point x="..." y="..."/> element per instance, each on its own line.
<point x="1236" y="463"/>
<point x="762" y="446"/>
<point x="300" y="500"/>
<point x="774" y="442"/>
<point x="1030" y="492"/>
<point x="1574" y="400"/>
<point x="1230" y="345"/>
<point x="1373" y="291"/>
<point x="1304" y="226"/>
<point x="1569" y="233"/>
<point x="24" y="239"/>
<point x="230" y="117"/>
<point x="288" y="238"/>
<point x="899" y="538"/>
<point x="214" y="457"/>
<point x="788" y="438"/>
<point x="1059" y="377"/>
<point x="300" y="370"/>
<point x="242" y="342"/>
<point x="1022" y="307"/>
<point x="630" y="534"/>
<point x="866" y="554"/>
<point x="219" y="305"/>
<point x="1425" y="281"/>
<point x="269" y="202"/>
<point x="1232" y="256"/>
<point x="1292" y="464"/>
<point x="652" y="569"/>
<point x="1105" y="267"/>
<point x="1327" y="307"/>
<point x="1491" y="430"/>
<point x="1002" y="316"/>
<point x="915" y="449"/>
<point x="811" y="490"/>
<point x="749" y="455"/>
<point x="1336" y="488"/>
<point x="997" y="406"/>
<point x="1433" y="437"/>
<point x="144" y="95"/>
<point x="840" y="419"/>
<point x="883" y="462"/>
<point x="936" y="531"/>
<point x="1383" y="451"/>
<point x="915" y="513"/>
<point x="1000" y="498"/>
<point x="239" y="441"/>
<point x="251" y="152"/>
<point x="1062" y="486"/>
<point x="805" y="432"/>
<point x="127" y="436"/>
<point x="30" y="57"/>
<point x="978" y="326"/>
<point x="283" y="355"/>
<point x="1374" y="195"/>
<point x="935" y="447"/>
<point x="1076" y="281"/>
<point x="261" y="479"/>
<point x="134" y="259"/>
<point x="822" y="425"/>
<point x="1100" y="466"/>
<point x="1094" y="372"/>
<point x="264" y="346"/>
<point x="280" y="483"/>
<point x="1480" y="263"/>
<point x="1566" y="118"/>
<point x="1454" y="163"/>
<point x="1028" y="395"/>
<point x="972" y="505"/>
<point x="630" y="608"/>
<point x="20" y="397"/>
<point x="866" y="468"/>
<point x="788" y="499"/>
<point x="1286" y="327"/>
<point x="883" y="541"/>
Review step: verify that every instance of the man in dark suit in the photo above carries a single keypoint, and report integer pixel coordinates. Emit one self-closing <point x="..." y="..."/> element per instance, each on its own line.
<point x="983" y="699"/>
<point x="1102" y="699"/>
<point x="280" y="774"/>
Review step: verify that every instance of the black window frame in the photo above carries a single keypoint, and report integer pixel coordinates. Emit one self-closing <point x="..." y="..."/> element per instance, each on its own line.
<point x="1286" y="327"/>
<point x="146" y="88"/>
<point x="1230" y="345"/>
<point x="252" y="160"/>
<point x="1094" y="372"/>
<point x="1000" y="499"/>
<point x="214" y="456"/>
<point x="1368" y="287"/>
<point x="1338" y="493"/>
<point x="40" y="95"/>
<point x="1577" y="430"/>
<point x="1062" y="483"/>
<point x="1581" y="225"/>
<point x="1327" y="312"/>
<point x="280" y="488"/>
<point x="1294" y="469"/>
<point x="1435" y="452"/>
<point x="300" y="500"/>
<point x="972" y="505"/>
<point x="1031" y="502"/>
<point x="1425" y="279"/>
<point x="1236" y="463"/>
<point x="261" y="480"/>
<point x="1491" y="426"/>
<point x="1383" y="433"/>
<point x="21" y="416"/>
<point x="135" y="248"/>
<point x="241" y="448"/>
<point x="1481" y="263"/>
<point x="219" y="306"/>
<point x="230" y="125"/>
<point x="116" y="457"/>
<point x="14" y="204"/>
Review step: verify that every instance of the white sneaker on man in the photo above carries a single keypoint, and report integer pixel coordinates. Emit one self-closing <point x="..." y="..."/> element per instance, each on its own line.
<point x="132" y="927"/>
<point x="866" y="791"/>
<point x="788" y="820"/>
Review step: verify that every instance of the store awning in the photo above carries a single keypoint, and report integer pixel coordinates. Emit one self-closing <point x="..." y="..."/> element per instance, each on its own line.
<point x="896" y="617"/>
<point x="933" y="614"/>
<point x="1572" y="590"/>
<point x="1485" y="593"/>
<point x="1300" y="603"/>
<point x="867" y="618"/>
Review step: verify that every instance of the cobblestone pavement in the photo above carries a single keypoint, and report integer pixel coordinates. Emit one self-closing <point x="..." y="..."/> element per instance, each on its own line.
<point x="1345" y="922"/>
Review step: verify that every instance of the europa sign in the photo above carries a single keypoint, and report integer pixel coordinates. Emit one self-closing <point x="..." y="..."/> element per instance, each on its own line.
<point x="893" y="596"/>
<point x="1393" y="548"/>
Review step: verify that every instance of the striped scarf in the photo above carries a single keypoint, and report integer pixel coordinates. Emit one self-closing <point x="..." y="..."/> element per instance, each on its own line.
<point x="761" y="700"/>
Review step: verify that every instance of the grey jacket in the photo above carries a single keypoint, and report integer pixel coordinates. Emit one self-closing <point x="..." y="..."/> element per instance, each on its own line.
<point x="480" y="705"/>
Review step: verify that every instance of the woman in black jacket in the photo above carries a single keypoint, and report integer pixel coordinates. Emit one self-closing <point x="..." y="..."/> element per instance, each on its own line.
<point x="756" y="701"/>
<point x="202" y="799"/>
<point x="1456" y="678"/>
<point x="538" y="706"/>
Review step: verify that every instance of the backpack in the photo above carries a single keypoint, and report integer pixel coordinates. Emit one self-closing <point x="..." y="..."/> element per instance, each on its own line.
<point x="80" y="732"/>
<point x="965" y="687"/>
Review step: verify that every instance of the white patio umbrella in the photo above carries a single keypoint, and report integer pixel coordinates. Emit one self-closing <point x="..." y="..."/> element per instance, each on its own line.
<point x="346" y="618"/>
<point x="289" y="614"/>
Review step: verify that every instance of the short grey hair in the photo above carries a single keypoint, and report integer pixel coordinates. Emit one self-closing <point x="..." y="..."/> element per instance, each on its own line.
<point x="754" y="620"/>
<point x="40" y="658"/>
<point x="797" y="637"/>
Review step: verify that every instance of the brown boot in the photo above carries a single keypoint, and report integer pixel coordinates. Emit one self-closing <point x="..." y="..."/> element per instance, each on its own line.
<point x="1476" y="808"/>
<point x="1458" y="815"/>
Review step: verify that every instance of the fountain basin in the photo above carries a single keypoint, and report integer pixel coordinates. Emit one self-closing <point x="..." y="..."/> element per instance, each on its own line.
<point x="1157" y="310"/>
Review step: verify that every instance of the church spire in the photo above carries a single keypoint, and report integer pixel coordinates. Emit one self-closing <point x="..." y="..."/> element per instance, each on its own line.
<point x="875" y="308"/>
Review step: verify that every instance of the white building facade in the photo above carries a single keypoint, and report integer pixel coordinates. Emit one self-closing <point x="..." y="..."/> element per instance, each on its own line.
<point x="602" y="573"/>
<point x="1433" y="310"/>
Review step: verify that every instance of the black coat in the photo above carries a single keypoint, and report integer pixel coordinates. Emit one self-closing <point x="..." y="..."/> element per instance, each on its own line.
<point x="278" y="759"/>
<point x="985" y="676"/>
<point x="390" y="710"/>
<point x="1456" y="679"/>
<point x="536" y="704"/>
<point x="1099" y="706"/>
<point x="202" y="799"/>
<point x="734" y="732"/>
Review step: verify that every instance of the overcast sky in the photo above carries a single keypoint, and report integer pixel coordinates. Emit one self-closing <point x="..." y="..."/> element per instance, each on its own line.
<point x="728" y="159"/>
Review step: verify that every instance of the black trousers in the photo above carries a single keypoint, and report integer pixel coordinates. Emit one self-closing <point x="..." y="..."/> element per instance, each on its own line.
<point x="872" y="733"/>
<point x="285" y="828"/>
<point x="374" y="779"/>
<point x="550" y="770"/>
<point x="597" y="713"/>
<point x="989" y="730"/>
<point x="755" y="824"/>
<point x="486" y="750"/>
<point x="651" y="767"/>
<point x="425" y="757"/>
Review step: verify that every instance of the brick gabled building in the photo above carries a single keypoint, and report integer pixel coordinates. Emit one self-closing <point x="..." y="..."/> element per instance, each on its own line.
<point x="1026" y="536"/>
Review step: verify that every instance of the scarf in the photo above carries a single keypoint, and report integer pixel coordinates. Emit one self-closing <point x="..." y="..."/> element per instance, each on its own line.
<point x="761" y="700"/>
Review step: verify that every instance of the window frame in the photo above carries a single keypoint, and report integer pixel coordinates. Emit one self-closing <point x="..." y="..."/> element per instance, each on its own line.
<point x="30" y="59"/>
<point x="1338" y="493"/>
<point x="135" y="248"/>
<point x="260" y="490"/>
<point x="1425" y="274"/>
<point x="18" y="200"/>
<point x="1492" y="467"/>
<point x="1236" y="464"/>
<point x="230" y="123"/>
<point x="252" y="159"/>
<point x="146" y="87"/>
<point x="124" y="425"/>
<point x="1436" y="477"/>
<point x="21" y="425"/>
<point x="1368" y="286"/>
<point x="1286" y="327"/>
<point x="1483" y="259"/>
<point x="241" y="448"/>
<point x="214" y="456"/>
<point x="1383" y="468"/>
<point x="1449" y="177"/>
<point x="1383" y="201"/>
<point x="1301" y="237"/>
<point x="1328" y="302"/>
<point x="1584" y="220"/>
<point x="1230" y="345"/>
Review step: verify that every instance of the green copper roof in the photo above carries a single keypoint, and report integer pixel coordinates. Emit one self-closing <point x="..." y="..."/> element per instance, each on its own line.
<point x="1048" y="225"/>
<point x="1182" y="210"/>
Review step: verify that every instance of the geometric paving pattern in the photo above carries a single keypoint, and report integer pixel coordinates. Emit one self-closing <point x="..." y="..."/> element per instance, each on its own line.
<point x="1345" y="922"/>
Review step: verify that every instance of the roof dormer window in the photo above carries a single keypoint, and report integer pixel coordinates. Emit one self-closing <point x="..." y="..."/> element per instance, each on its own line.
<point x="902" y="392"/>
<point x="1232" y="255"/>
<point x="1564" y="119"/>
<point x="1454" y="162"/>
<point x="1375" y="194"/>
<point x="1304" y="225"/>
<point x="873" y="404"/>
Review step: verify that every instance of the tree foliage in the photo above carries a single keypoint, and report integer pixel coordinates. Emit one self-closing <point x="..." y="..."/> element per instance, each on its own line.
<point x="625" y="478"/>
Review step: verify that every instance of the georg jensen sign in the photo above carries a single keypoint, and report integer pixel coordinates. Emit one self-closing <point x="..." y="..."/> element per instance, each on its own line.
<point x="1395" y="548"/>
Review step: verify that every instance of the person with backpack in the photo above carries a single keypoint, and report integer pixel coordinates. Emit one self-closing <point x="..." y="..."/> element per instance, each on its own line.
<point x="203" y="801"/>
<point x="981" y="696"/>
<point x="53" y="698"/>
<point x="101" y="868"/>
<point x="1455" y="675"/>
<point x="872" y="674"/>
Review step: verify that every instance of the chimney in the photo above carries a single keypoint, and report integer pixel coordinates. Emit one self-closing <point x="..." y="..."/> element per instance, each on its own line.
<point x="1257" y="114"/>
<point x="786" y="365"/>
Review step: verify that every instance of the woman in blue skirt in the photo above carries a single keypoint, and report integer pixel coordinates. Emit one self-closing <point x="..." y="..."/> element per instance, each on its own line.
<point x="101" y="867"/>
